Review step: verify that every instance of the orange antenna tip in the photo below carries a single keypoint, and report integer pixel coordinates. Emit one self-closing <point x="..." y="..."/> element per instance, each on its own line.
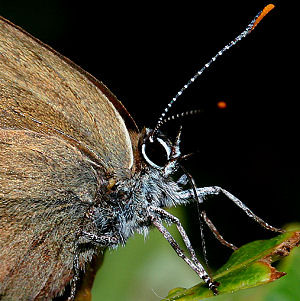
<point x="263" y="13"/>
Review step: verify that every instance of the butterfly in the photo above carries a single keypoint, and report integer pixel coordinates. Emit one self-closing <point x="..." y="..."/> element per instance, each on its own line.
<point x="76" y="173"/>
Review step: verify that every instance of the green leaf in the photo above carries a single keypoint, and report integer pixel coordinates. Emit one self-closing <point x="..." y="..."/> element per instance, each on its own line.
<point x="249" y="266"/>
<point x="288" y="287"/>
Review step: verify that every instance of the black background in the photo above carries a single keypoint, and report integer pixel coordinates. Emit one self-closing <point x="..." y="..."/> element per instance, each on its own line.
<point x="146" y="51"/>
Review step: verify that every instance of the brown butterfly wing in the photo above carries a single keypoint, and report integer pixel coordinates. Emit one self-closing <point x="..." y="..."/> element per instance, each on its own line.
<point x="54" y="119"/>
<point x="45" y="92"/>
<point x="46" y="187"/>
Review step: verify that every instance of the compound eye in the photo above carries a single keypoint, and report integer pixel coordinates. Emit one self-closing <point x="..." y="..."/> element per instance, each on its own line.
<point x="156" y="153"/>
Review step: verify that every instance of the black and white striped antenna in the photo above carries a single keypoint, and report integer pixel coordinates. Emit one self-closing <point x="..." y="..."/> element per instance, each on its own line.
<point x="162" y="119"/>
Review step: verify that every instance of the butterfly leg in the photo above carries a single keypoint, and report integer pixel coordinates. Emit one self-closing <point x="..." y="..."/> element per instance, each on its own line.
<point x="193" y="262"/>
<point x="100" y="240"/>
<point x="86" y="237"/>
<point x="216" y="233"/>
<point x="75" y="279"/>
<point x="215" y="190"/>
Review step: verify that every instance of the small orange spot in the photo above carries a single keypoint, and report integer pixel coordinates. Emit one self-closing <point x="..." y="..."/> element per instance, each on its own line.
<point x="266" y="10"/>
<point x="222" y="105"/>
